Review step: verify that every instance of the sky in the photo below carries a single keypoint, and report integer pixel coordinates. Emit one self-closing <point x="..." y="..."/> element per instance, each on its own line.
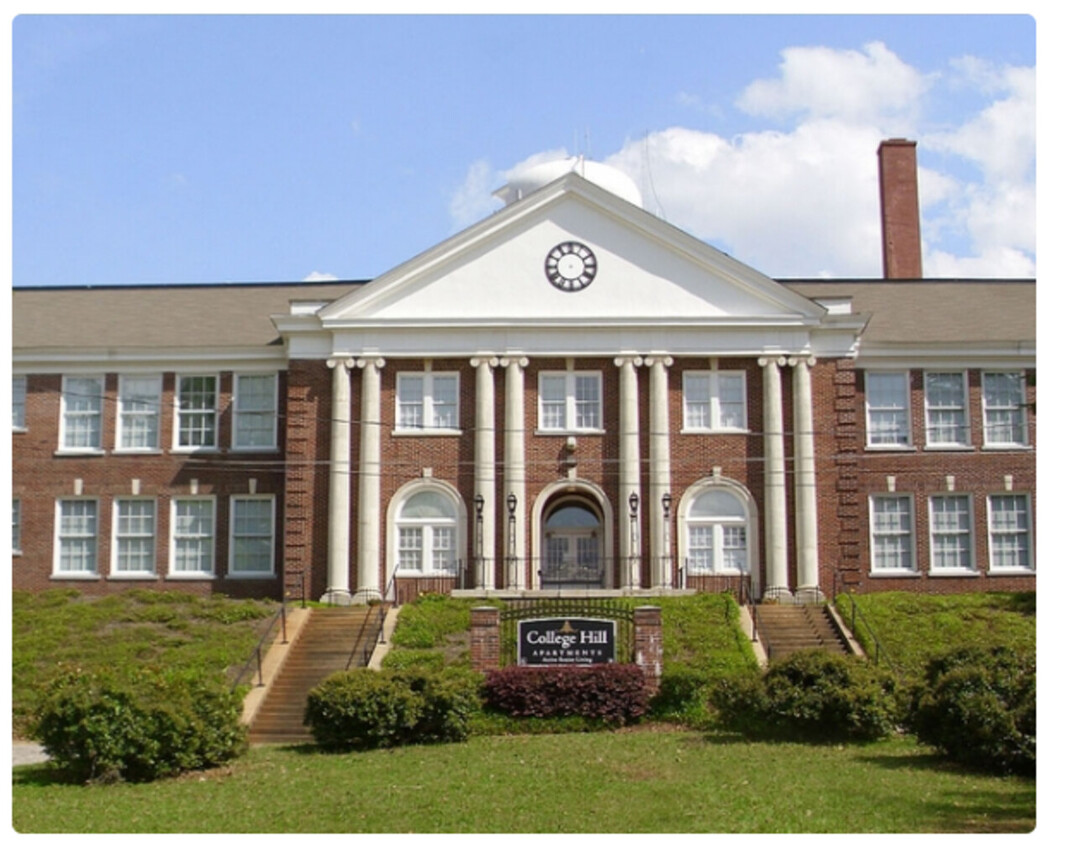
<point x="197" y="149"/>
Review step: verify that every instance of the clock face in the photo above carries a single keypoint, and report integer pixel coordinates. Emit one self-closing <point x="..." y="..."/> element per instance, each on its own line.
<point x="571" y="266"/>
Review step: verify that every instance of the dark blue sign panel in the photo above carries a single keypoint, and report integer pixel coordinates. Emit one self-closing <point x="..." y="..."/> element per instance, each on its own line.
<point x="566" y="641"/>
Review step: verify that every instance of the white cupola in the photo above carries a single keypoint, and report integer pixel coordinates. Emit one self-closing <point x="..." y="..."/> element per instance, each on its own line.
<point x="536" y="177"/>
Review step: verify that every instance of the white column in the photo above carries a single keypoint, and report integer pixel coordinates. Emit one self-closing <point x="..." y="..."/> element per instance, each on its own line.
<point x="485" y="472"/>
<point x="629" y="471"/>
<point x="369" y="483"/>
<point x="805" y="479"/>
<point x="660" y="563"/>
<point x="775" y="497"/>
<point x="514" y="474"/>
<point x="339" y="484"/>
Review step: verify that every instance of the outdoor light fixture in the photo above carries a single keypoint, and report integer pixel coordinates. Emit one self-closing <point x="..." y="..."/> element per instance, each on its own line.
<point x="633" y="503"/>
<point x="479" y="503"/>
<point x="666" y="501"/>
<point x="512" y="503"/>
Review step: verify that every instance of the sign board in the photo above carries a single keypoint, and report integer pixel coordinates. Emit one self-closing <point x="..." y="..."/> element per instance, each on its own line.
<point x="566" y="641"/>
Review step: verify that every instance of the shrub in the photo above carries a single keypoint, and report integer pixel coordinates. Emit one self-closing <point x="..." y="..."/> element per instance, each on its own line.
<point x="365" y="709"/>
<point x="812" y="695"/>
<point x="683" y="695"/>
<point x="139" y="725"/>
<point x="979" y="706"/>
<point x="613" y="693"/>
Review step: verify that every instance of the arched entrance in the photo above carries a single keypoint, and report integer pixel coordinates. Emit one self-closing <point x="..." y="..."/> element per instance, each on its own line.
<point x="572" y="545"/>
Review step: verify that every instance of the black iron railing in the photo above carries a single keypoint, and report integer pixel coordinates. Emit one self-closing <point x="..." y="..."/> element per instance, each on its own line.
<point x="253" y="667"/>
<point x="857" y="617"/>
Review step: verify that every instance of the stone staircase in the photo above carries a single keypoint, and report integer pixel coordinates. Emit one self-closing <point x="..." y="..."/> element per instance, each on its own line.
<point x="787" y="628"/>
<point x="324" y="647"/>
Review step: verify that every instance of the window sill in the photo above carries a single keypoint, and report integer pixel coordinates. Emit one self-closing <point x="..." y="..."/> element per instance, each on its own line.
<point x="693" y="431"/>
<point x="79" y="452"/>
<point x="723" y="573"/>
<point x="1006" y="447"/>
<point x="259" y="575"/>
<point x="906" y="449"/>
<point x="19" y="430"/>
<point x="74" y="575"/>
<point x="190" y="576"/>
<point x="569" y="432"/>
<point x="956" y="574"/>
<point x="136" y="451"/>
<point x="1012" y="573"/>
<point x="894" y="574"/>
<point x="16" y="552"/>
<point x="948" y="447"/>
<point x="254" y="449"/>
<point x="417" y="574"/>
<point x="427" y="432"/>
<point x="143" y="576"/>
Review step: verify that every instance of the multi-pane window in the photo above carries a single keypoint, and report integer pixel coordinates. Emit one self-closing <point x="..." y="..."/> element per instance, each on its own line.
<point x="427" y="534"/>
<point x="570" y="401"/>
<point x="892" y="533"/>
<point x="716" y="534"/>
<point x="950" y="530"/>
<point x="254" y="411"/>
<point x="195" y="411"/>
<point x="252" y="535"/>
<point x="887" y="404"/>
<point x="1009" y="532"/>
<point x="18" y="402"/>
<point x="1003" y="395"/>
<point x="138" y="415"/>
<point x="76" y="536"/>
<point x="945" y="409"/>
<point x="714" y="401"/>
<point x="135" y="536"/>
<point x="193" y="532"/>
<point x="16" y="525"/>
<point x="427" y="400"/>
<point x="82" y="403"/>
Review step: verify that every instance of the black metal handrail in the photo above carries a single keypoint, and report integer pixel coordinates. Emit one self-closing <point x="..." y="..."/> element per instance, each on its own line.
<point x="378" y="636"/>
<point x="255" y="657"/>
<point x="857" y="613"/>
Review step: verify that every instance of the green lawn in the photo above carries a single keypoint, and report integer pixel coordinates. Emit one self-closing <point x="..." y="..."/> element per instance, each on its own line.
<point x="625" y="782"/>
<point x="60" y="629"/>
<point x="914" y="628"/>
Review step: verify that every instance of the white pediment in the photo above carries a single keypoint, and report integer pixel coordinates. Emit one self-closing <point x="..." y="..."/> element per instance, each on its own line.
<point x="493" y="274"/>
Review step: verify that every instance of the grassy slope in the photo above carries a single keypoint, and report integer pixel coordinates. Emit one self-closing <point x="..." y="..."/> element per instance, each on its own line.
<point x="914" y="628"/>
<point x="58" y="630"/>
<point x="624" y="782"/>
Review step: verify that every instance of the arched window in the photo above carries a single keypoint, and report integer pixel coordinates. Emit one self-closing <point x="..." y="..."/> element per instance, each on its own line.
<point x="427" y="530"/>
<point x="716" y="534"/>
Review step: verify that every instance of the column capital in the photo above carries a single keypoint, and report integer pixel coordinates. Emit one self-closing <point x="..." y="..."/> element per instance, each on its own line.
<point x="662" y="360"/>
<point x="519" y="360"/>
<point x="373" y="361"/>
<point x="804" y="360"/>
<point x="489" y="360"/>
<point x="775" y="360"/>
<point x="633" y="360"/>
<point x="332" y="363"/>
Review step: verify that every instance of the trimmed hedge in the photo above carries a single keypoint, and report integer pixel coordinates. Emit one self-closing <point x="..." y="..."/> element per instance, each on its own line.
<point x="138" y="726"/>
<point x="979" y="707"/>
<point x="363" y="709"/>
<point x="613" y="693"/>
<point x="812" y="695"/>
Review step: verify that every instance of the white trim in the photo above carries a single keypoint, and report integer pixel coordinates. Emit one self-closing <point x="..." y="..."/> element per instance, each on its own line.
<point x="994" y="569"/>
<point x="402" y="495"/>
<point x="155" y="447"/>
<point x="428" y="414"/>
<point x="578" y="489"/>
<point x="63" y="448"/>
<point x="1024" y="422"/>
<point x="948" y="571"/>
<point x="176" y="413"/>
<point x="906" y="407"/>
<point x="113" y="568"/>
<point x="570" y="401"/>
<point x="236" y="412"/>
<point x="751" y="522"/>
<point x="20" y="425"/>
<point x="965" y="440"/>
<point x="191" y="575"/>
<point x="715" y="400"/>
<point x="57" y="572"/>
<point x="251" y="575"/>
<point x="891" y="572"/>
<point x="16" y="526"/>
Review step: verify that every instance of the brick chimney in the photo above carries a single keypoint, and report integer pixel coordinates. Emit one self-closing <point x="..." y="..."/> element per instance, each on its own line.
<point x="900" y="220"/>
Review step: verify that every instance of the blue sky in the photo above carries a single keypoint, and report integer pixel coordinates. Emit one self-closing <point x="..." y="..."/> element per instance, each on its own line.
<point x="158" y="149"/>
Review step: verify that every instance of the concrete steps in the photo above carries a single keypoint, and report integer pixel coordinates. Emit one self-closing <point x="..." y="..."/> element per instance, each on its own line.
<point x="786" y="628"/>
<point x="324" y="647"/>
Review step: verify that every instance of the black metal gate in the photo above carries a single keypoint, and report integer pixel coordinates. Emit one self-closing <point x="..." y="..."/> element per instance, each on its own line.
<point x="622" y="612"/>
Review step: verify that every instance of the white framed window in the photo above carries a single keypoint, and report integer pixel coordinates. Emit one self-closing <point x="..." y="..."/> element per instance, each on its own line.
<point x="81" y="403"/>
<point x="427" y="400"/>
<point x="951" y="534"/>
<point x="891" y="529"/>
<point x="1010" y="544"/>
<point x="16" y="526"/>
<point x="714" y="401"/>
<point x="570" y="401"/>
<point x="887" y="409"/>
<point x="716" y="535"/>
<point x="254" y="412"/>
<point x="427" y="531"/>
<point x="193" y="537"/>
<point x="1003" y="396"/>
<point x="253" y="536"/>
<point x="76" y="537"/>
<point x="18" y="402"/>
<point x="196" y="415"/>
<point x="138" y="414"/>
<point x="134" y="537"/>
<point x="946" y="420"/>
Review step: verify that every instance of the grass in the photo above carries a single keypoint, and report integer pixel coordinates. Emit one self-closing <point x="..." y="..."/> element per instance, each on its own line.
<point x="60" y="629"/>
<point x="623" y="782"/>
<point x="914" y="628"/>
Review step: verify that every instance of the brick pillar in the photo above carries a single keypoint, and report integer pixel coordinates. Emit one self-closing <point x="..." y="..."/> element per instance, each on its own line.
<point x="484" y="639"/>
<point x="649" y="645"/>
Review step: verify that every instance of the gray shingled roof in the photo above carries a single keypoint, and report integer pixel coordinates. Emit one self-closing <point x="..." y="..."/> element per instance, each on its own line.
<point x="186" y="316"/>
<point x="238" y="315"/>
<point x="937" y="311"/>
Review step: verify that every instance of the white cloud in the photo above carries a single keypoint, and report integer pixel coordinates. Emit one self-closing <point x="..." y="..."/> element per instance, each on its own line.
<point x="473" y="200"/>
<point x="318" y="276"/>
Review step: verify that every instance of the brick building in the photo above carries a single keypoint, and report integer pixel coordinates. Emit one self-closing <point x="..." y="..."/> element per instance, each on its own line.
<point x="570" y="394"/>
